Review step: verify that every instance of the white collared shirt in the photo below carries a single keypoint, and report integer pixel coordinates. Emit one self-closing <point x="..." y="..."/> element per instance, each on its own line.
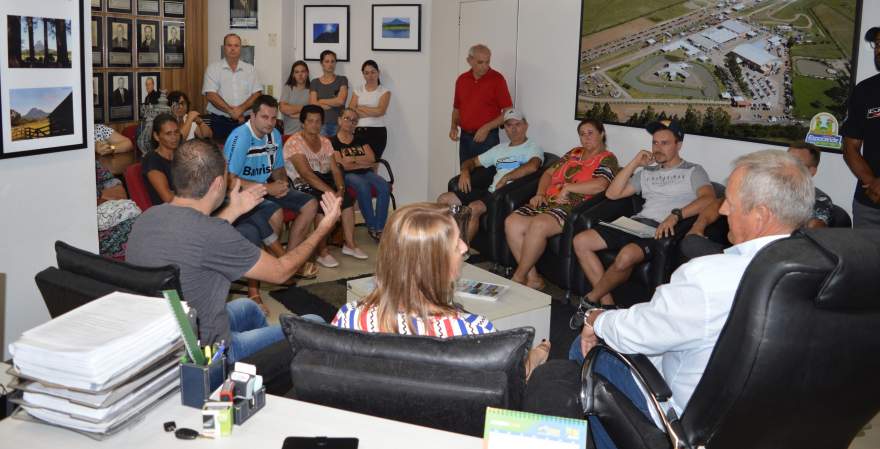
<point x="678" y="328"/>
<point x="233" y="86"/>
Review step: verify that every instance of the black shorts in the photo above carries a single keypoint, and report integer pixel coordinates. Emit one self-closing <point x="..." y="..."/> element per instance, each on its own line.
<point x="615" y="240"/>
<point x="474" y="195"/>
<point x="481" y="179"/>
<point x="347" y="200"/>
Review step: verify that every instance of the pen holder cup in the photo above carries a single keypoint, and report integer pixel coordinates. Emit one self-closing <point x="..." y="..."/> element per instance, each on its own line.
<point x="197" y="382"/>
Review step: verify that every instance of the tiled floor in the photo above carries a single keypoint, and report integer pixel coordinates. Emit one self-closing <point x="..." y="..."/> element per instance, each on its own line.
<point x="869" y="438"/>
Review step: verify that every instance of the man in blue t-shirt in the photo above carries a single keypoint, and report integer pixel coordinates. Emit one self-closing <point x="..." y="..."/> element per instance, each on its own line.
<point x="511" y="161"/>
<point x="254" y="155"/>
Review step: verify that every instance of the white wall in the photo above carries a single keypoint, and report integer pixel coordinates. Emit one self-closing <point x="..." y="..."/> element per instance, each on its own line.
<point x="43" y="199"/>
<point x="406" y="74"/>
<point x="547" y="45"/>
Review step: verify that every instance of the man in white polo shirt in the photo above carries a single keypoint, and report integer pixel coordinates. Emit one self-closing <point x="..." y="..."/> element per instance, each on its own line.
<point x="231" y="86"/>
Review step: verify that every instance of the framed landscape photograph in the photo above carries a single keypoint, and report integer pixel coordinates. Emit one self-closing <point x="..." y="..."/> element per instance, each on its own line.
<point x="325" y="28"/>
<point x="397" y="28"/>
<point x="42" y="78"/>
<point x="755" y="71"/>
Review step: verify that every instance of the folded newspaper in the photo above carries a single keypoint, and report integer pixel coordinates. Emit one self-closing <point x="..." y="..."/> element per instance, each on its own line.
<point x="630" y="226"/>
<point x="487" y="291"/>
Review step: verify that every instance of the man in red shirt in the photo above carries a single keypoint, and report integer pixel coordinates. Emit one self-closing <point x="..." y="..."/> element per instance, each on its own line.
<point x="481" y="96"/>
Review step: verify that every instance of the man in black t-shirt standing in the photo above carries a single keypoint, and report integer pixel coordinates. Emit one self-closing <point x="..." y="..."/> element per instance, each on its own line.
<point x="861" y="131"/>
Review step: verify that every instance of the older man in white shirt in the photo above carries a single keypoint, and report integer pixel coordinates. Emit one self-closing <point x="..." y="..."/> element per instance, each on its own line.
<point x="769" y="195"/>
<point x="230" y="86"/>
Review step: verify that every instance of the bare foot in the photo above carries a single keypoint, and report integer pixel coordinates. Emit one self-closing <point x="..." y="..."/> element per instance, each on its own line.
<point x="536" y="282"/>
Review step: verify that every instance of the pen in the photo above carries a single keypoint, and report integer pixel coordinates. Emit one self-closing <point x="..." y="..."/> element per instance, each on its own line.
<point x="219" y="352"/>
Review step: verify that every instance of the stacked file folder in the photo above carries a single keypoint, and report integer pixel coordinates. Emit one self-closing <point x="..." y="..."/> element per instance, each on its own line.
<point x="97" y="367"/>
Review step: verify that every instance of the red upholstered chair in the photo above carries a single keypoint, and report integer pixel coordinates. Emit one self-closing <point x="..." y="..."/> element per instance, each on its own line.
<point x="137" y="190"/>
<point x="130" y="131"/>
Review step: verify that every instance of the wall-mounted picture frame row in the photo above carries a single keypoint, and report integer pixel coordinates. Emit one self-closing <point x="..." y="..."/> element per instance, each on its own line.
<point x="124" y="42"/>
<point x="169" y="8"/>
<point x="118" y="96"/>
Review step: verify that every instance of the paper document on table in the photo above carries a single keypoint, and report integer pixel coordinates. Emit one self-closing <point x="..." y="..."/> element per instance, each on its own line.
<point x="630" y="226"/>
<point x="92" y="346"/>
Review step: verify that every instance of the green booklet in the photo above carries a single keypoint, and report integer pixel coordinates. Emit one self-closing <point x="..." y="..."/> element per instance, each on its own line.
<point x="509" y="429"/>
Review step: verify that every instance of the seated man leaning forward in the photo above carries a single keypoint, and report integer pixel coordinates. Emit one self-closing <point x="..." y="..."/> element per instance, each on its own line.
<point x="673" y="189"/>
<point x="511" y="160"/>
<point x="769" y="195"/>
<point x="254" y="153"/>
<point x="211" y="253"/>
<point x="695" y="243"/>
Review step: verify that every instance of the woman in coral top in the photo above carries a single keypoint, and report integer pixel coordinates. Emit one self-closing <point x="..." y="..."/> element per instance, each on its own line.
<point x="574" y="178"/>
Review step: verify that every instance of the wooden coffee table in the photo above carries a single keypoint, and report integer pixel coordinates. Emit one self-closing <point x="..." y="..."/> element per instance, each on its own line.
<point x="519" y="306"/>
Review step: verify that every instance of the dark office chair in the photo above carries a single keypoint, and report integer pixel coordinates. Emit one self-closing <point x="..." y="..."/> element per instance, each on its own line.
<point x="82" y="277"/>
<point x="441" y="383"/>
<point x="490" y="240"/>
<point x="795" y="365"/>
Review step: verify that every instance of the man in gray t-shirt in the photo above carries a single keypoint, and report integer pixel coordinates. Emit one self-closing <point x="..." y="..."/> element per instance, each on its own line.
<point x="673" y="189"/>
<point x="211" y="253"/>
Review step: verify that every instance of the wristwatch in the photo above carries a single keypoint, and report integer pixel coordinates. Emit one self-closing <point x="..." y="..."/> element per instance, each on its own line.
<point x="677" y="213"/>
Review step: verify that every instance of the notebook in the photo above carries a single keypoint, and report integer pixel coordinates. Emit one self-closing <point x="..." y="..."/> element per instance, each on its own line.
<point x="508" y="429"/>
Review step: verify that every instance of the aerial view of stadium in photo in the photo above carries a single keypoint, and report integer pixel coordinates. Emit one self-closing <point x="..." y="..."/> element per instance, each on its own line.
<point x="748" y="69"/>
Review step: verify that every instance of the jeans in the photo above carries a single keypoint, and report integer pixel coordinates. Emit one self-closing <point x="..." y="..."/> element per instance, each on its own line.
<point x="254" y="225"/>
<point x="249" y="330"/>
<point x="363" y="183"/>
<point x="329" y="129"/>
<point x="294" y="200"/>
<point x="619" y="375"/>
<point x="468" y="149"/>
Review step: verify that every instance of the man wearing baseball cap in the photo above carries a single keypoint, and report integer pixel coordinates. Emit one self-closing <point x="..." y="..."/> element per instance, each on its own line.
<point x="673" y="189"/>
<point x="511" y="161"/>
<point x="861" y="142"/>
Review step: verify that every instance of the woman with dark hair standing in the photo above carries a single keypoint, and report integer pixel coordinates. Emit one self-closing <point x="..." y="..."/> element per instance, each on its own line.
<point x="294" y="95"/>
<point x="371" y="101"/>
<point x="190" y="122"/>
<point x="329" y="91"/>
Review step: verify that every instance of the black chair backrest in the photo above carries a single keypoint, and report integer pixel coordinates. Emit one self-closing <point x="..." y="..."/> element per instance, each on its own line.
<point x="441" y="383"/>
<point x="839" y="218"/>
<point x="796" y="363"/>
<point x="82" y="276"/>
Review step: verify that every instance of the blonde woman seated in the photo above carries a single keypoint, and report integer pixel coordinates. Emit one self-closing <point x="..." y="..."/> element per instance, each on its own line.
<point x="577" y="176"/>
<point x="419" y="260"/>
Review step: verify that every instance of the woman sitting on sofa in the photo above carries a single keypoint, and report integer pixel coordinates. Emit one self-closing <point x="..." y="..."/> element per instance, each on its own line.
<point x="423" y="240"/>
<point x="578" y="175"/>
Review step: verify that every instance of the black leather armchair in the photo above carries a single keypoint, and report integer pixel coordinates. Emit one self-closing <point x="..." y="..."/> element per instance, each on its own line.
<point x="82" y="276"/>
<point x="441" y="383"/>
<point x="795" y="364"/>
<point x="490" y="240"/>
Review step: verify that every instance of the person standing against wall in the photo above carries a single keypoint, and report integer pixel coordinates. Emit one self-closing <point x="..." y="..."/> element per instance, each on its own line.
<point x="370" y="101"/>
<point x="861" y="142"/>
<point x="481" y="97"/>
<point x="330" y="92"/>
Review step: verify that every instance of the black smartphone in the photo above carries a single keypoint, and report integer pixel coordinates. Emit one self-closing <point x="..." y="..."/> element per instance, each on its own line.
<point x="319" y="443"/>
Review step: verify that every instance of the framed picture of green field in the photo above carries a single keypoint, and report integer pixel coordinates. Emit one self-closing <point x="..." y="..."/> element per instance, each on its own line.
<point x="42" y="77"/>
<point x="755" y="70"/>
<point x="397" y="28"/>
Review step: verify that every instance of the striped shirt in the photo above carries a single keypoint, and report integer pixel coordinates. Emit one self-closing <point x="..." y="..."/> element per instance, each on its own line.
<point x="350" y="316"/>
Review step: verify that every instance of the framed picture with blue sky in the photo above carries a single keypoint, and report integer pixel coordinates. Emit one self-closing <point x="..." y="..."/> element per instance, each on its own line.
<point x="326" y="27"/>
<point x="397" y="27"/>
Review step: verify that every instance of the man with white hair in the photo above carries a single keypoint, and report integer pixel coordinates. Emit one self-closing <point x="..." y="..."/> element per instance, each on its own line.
<point x="769" y="195"/>
<point x="481" y="96"/>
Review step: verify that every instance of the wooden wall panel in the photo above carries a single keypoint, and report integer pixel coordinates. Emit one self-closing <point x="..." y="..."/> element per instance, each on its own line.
<point x="187" y="79"/>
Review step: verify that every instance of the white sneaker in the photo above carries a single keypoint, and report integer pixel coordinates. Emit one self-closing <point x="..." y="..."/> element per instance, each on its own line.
<point x="327" y="261"/>
<point x="356" y="252"/>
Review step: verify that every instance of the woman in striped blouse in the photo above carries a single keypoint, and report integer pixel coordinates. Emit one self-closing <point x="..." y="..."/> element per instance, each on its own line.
<point x="424" y="238"/>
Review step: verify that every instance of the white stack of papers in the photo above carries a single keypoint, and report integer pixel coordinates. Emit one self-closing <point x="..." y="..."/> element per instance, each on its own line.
<point x="100" y="364"/>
